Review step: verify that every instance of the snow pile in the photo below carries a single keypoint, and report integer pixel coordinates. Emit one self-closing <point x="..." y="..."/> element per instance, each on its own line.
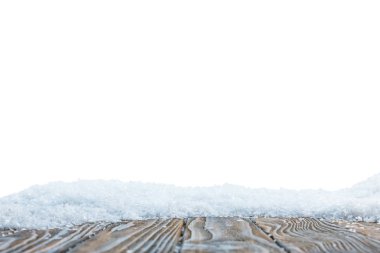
<point x="62" y="204"/>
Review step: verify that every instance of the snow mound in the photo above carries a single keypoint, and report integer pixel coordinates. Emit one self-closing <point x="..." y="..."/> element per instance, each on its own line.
<point x="371" y="186"/>
<point x="63" y="204"/>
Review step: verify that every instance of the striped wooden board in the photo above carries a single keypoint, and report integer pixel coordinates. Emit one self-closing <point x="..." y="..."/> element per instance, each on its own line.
<point x="227" y="235"/>
<point x="160" y="235"/>
<point x="50" y="240"/>
<point x="211" y="234"/>
<point x="366" y="228"/>
<point x="312" y="235"/>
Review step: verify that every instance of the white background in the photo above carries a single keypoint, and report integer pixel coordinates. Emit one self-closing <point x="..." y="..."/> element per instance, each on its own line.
<point x="270" y="94"/>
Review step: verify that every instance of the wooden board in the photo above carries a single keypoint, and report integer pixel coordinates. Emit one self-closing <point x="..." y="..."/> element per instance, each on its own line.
<point x="225" y="235"/>
<point x="312" y="235"/>
<point x="369" y="229"/>
<point x="156" y="235"/>
<point x="50" y="240"/>
<point x="211" y="234"/>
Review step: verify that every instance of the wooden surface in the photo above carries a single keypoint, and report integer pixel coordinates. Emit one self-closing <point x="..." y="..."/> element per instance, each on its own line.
<point x="159" y="235"/>
<point x="364" y="228"/>
<point x="50" y="240"/>
<point x="312" y="235"/>
<point x="226" y="234"/>
<point x="211" y="234"/>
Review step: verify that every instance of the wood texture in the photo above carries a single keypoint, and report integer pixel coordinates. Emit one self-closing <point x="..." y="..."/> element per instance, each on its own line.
<point x="7" y="232"/>
<point x="312" y="235"/>
<point x="226" y="235"/>
<point x="369" y="229"/>
<point x="211" y="234"/>
<point x="50" y="240"/>
<point x="158" y="235"/>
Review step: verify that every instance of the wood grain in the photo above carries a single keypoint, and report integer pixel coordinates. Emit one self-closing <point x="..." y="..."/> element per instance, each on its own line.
<point x="222" y="234"/>
<point x="7" y="231"/>
<point x="212" y="234"/>
<point x="156" y="235"/>
<point x="50" y="240"/>
<point x="369" y="229"/>
<point x="312" y="235"/>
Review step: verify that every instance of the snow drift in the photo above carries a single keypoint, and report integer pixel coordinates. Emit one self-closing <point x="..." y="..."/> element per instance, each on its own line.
<point x="63" y="204"/>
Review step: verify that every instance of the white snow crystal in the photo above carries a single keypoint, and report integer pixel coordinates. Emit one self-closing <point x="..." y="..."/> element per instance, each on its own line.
<point x="63" y="204"/>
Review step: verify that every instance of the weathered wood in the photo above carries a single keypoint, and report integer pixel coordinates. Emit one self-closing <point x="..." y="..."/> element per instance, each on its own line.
<point x="7" y="231"/>
<point x="50" y="240"/>
<point x="226" y="235"/>
<point x="312" y="235"/>
<point x="157" y="235"/>
<point x="369" y="229"/>
<point x="200" y="235"/>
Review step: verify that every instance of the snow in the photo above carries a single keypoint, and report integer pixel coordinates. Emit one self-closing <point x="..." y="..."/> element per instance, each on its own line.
<point x="61" y="204"/>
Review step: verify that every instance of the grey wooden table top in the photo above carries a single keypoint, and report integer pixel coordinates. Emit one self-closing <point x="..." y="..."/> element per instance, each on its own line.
<point x="200" y="234"/>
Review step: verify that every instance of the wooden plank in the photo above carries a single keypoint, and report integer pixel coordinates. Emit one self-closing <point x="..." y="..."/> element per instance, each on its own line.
<point x="200" y="235"/>
<point x="369" y="229"/>
<point x="312" y="235"/>
<point x="226" y="235"/>
<point x="50" y="240"/>
<point x="156" y="235"/>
